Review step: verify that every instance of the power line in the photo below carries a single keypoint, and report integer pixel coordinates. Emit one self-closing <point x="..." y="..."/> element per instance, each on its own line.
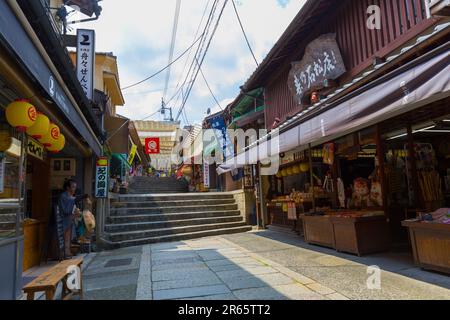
<point x="196" y="34"/>
<point x="172" y="44"/>
<point x="151" y="115"/>
<point x="243" y="32"/>
<point x="170" y="64"/>
<point x="201" y="61"/>
<point x="209" y="88"/>
<point x="191" y="70"/>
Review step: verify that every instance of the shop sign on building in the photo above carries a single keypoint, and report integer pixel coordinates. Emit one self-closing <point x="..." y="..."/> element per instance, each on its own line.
<point x="206" y="181"/>
<point x="132" y="154"/>
<point x="218" y="123"/>
<point x="101" y="178"/>
<point x="248" y="177"/>
<point x="86" y="60"/>
<point x="152" y="146"/>
<point x="321" y="62"/>
<point x="35" y="149"/>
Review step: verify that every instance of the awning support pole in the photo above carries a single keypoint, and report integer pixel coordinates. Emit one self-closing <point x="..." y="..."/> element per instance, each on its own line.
<point x="311" y="173"/>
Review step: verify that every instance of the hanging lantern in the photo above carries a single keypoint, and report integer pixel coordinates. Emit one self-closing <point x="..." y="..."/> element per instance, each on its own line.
<point x="289" y="171"/>
<point x="296" y="170"/>
<point x="58" y="145"/>
<point x="51" y="136"/>
<point x="40" y="126"/>
<point x="21" y="114"/>
<point x="284" y="173"/>
<point x="304" y="167"/>
<point x="279" y="175"/>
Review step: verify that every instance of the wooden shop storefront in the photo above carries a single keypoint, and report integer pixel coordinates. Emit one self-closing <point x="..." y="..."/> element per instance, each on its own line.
<point x="28" y="172"/>
<point x="345" y="137"/>
<point x="362" y="186"/>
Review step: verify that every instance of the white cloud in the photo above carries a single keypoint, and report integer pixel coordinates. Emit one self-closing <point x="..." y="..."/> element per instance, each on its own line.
<point x="139" y="33"/>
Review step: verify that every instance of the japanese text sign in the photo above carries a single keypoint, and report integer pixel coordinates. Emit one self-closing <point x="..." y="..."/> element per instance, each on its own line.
<point x="152" y="146"/>
<point x="86" y="60"/>
<point x="322" y="61"/>
<point x="101" y="178"/>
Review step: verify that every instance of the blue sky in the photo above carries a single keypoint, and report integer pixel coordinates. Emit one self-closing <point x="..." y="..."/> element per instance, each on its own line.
<point x="139" y="35"/>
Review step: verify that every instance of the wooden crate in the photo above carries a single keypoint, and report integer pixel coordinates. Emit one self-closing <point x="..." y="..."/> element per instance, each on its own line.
<point x="318" y="230"/>
<point x="361" y="235"/>
<point x="431" y="245"/>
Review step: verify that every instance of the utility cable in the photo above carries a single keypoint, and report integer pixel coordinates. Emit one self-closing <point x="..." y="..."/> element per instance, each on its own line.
<point x="168" y="66"/>
<point x="243" y="32"/>
<point x="209" y="88"/>
<point x="202" y="60"/>
<point x="172" y="44"/>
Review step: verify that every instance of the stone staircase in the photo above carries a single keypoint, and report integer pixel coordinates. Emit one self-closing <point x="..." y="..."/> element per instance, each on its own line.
<point x="152" y="185"/>
<point x="143" y="219"/>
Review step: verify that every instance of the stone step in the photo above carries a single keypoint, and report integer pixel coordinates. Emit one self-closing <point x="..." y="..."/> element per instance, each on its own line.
<point x="160" y="191"/>
<point x="177" y="237"/>
<point x="155" y="192"/>
<point x="134" y="235"/>
<point x="172" y="197"/>
<point x="141" y="226"/>
<point x="174" y="203"/>
<point x="7" y="226"/>
<point x="159" y="210"/>
<point x="171" y="216"/>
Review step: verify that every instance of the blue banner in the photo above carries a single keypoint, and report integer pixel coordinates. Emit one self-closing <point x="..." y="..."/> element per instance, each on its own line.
<point x="218" y="123"/>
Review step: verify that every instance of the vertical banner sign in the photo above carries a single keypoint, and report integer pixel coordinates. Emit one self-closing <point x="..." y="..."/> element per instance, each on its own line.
<point x="2" y="174"/>
<point x="152" y="146"/>
<point x="86" y="60"/>
<point x="101" y="178"/>
<point x="206" y="182"/>
<point x="132" y="154"/>
<point x="218" y="123"/>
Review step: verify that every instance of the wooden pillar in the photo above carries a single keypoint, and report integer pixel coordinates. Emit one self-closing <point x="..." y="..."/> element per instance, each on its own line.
<point x="414" y="177"/>
<point x="311" y="173"/>
<point x="381" y="165"/>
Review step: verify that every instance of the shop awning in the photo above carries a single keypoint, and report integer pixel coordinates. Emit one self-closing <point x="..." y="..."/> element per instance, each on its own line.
<point x="248" y="118"/>
<point x="417" y="85"/>
<point x="15" y="37"/>
<point x="122" y="158"/>
<point x="246" y="103"/>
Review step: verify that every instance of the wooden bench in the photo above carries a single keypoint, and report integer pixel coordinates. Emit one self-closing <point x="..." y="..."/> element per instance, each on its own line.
<point x="49" y="280"/>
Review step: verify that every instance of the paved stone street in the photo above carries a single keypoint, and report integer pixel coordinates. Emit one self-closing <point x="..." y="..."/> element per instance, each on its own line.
<point x="256" y="265"/>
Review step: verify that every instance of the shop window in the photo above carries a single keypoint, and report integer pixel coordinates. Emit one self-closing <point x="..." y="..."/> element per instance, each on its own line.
<point x="11" y="215"/>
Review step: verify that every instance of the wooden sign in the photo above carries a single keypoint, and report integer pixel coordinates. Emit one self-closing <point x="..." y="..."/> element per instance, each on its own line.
<point x="321" y="62"/>
<point x="35" y="149"/>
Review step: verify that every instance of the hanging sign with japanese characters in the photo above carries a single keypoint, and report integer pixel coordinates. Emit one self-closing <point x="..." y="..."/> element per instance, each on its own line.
<point x="35" y="149"/>
<point x="86" y="60"/>
<point x="321" y="62"/>
<point x="206" y="181"/>
<point x="101" y="178"/>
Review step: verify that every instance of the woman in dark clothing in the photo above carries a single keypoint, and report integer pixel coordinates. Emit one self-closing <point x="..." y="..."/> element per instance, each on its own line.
<point x="69" y="211"/>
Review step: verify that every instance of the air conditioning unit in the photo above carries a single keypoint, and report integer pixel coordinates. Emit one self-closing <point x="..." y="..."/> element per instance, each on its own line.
<point x="440" y="8"/>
